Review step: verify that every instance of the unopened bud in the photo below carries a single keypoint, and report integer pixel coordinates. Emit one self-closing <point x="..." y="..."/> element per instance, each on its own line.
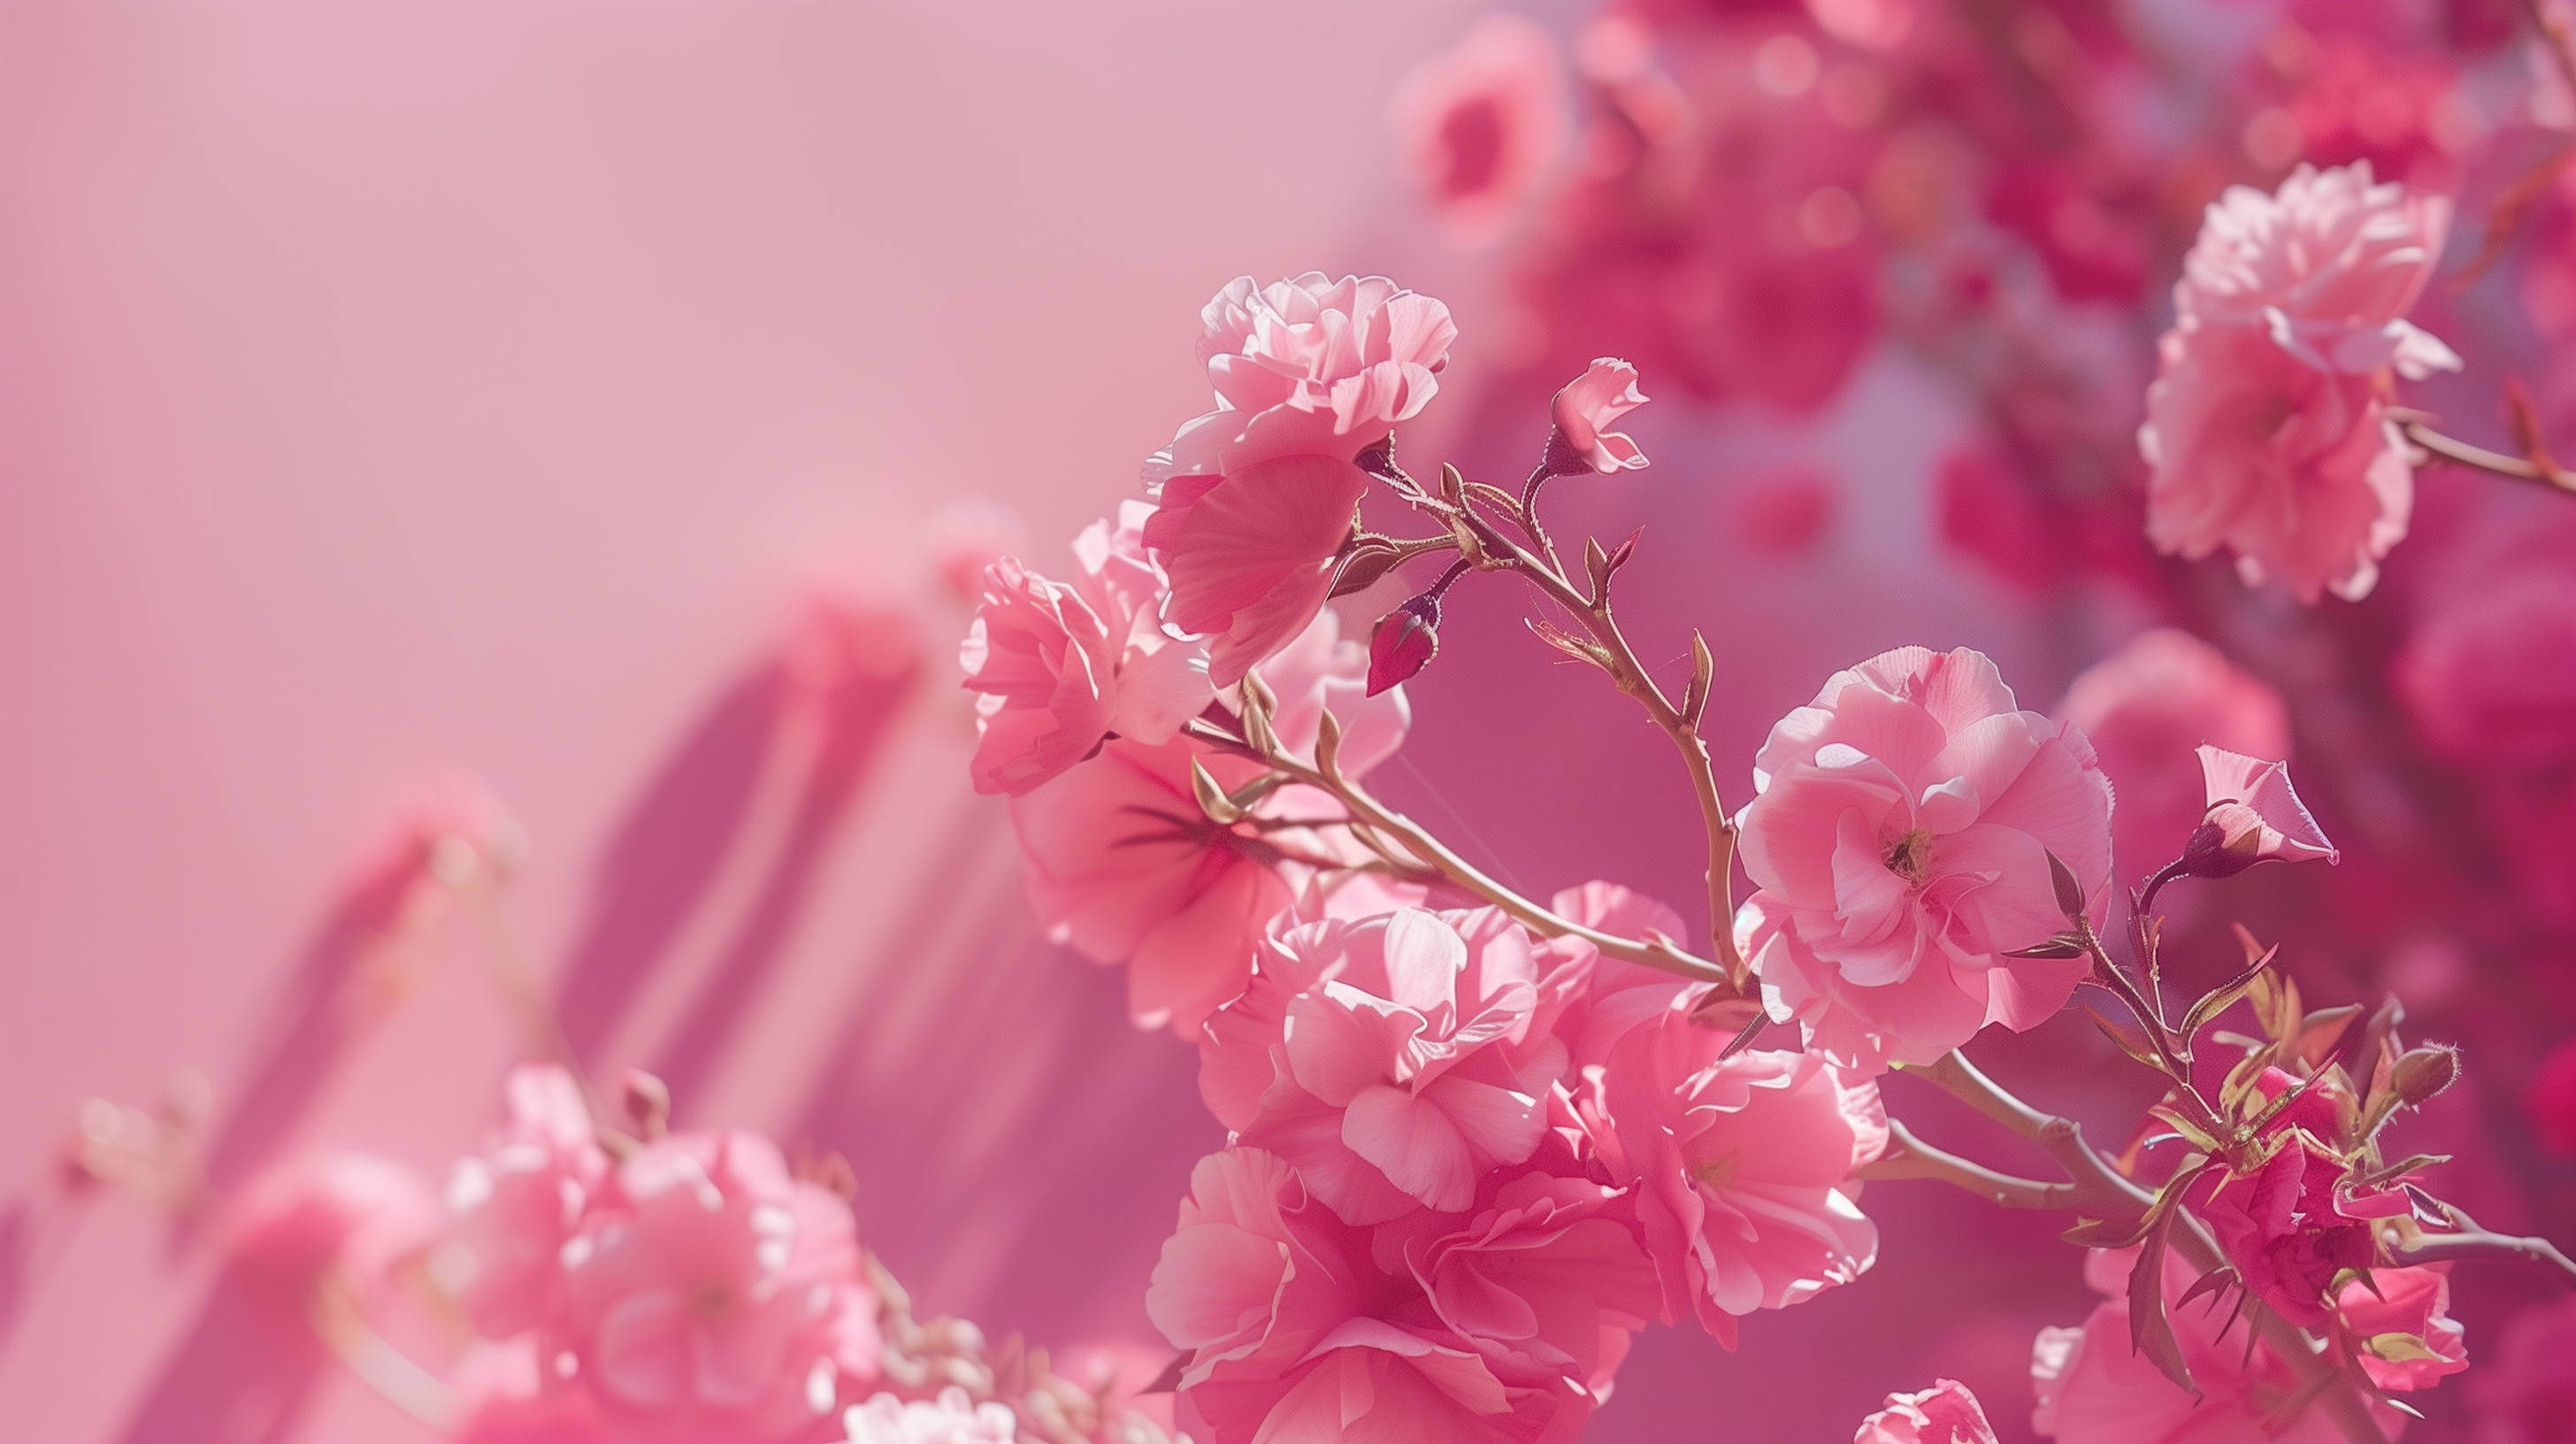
<point x="648" y="1104"/>
<point x="1404" y="643"/>
<point x="2419" y="1073"/>
<point x="2223" y="845"/>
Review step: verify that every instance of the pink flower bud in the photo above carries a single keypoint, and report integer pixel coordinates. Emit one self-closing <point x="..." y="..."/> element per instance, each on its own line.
<point x="1588" y="403"/>
<point x="1405" y="641"/>
<point x="2253" y="815"/>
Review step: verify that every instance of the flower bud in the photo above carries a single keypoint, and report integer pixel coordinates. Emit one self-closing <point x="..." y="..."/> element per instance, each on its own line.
<point x="1405" y="641"/>
<point x="2419" y="1073"/>
<point x="2253" y="815"/>
<point x="647" y="1101"/>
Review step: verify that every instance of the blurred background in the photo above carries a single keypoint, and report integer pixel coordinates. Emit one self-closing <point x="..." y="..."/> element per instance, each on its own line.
<point x="568" y="423"/>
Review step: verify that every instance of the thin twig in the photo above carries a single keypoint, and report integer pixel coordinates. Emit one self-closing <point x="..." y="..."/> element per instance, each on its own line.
<point x="2472" y="1241"/>
<point x="2494" y="462"/>
<point x="1910" y="1157"/>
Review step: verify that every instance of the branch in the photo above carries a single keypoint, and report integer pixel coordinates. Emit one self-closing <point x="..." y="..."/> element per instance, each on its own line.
<point x="2494" y="462"/>
<point x="2474" y="1242"/>
<point x="1910" y="1157"/>
<point x="2098" y="1189"/>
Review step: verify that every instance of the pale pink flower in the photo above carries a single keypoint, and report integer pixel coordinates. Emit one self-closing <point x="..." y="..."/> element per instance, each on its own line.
<point x="327" y="1211"/>
<point x="1252" y="554"/>
<point x="1583" y="412"/>
<point x="2095" y="1388"/>
<point x="1480" y="126"/>
<point x="1946" y="1413"/>
<point x="1124" y="867"/>
<point x="2253" y="816"/>
<point x="1741" y="1168"/>
<point x="1899" y="837"/>
<point x="2267" y="426"/>
<point x="712" y="1296"/>
<point x="2145" y="708"/>
<point x="1616" y="996"/>
<point x="2397" y="1319"/>
<point x="2525" y="1393"/>
<point x="517" y="1202"/>
<point x="1307" y="367"/>
<point x="1061" y="666"/>
<point x="952" y="1418"/>
<point x="1391" y="1061"/>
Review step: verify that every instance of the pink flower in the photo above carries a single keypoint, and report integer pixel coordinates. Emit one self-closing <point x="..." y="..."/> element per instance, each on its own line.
<point x="2253" y="815"/>
<point x="517" y="1203"/>
<point x="714" y="1297"/>
<point x="1741" y="1168"/>
<point x="2094" y="1388"/>
<point x="320" y="1212"/>
<point x="952" y="1418"/>
<point x="2267" y="424"/>
<point x="1124" y="867"/>
<point x="2144" y="708"/>
<point x="1899" y="837"/>
<point x="2291" y="1225"/>
<point x="1062" y="666"/>
<point x="1616" y="997"/>
<point x="1583" y="411"/>
<point x="1307" y="367"/>
<point x="1392" y="1061"/>
<point x="1480" y="125"/>
<point x="1293" y="1333"/>
<point x="2400" y="1322"/>
<point x="2551" y="1100"/>
<point x="1252" y="555"/>
<point x="2484" y="674"/>
<point x="1946" y="1413"/>
<point x="2525" y="1393"/>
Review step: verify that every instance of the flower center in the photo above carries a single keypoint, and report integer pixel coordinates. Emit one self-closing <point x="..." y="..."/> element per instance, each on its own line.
<point x="1910" y="857"/>
<point x="1718" y="1174"/>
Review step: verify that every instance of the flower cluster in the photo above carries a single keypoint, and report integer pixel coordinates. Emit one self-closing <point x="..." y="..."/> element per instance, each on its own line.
<point x="1466" y="1164"/>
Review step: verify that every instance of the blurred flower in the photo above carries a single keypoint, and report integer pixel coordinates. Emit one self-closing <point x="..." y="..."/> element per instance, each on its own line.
<point x="1899" y="837"/>
<point x="1583" y="409"/>
<point x="329" y="1211"/>
<point x="2253" y="816"/>
<point x="2551" y="1101"/>
<point x="1480" y="126"/>
<point x="2484" y="674"/>
<point x="1741" y="1168"/>
<point x="516" y="1204"/>
<point x="2524" y="1393"/>
<point x="951" y="1418"/>
<point x="1946" y="1413"/>
<point x="2145" y="708"/>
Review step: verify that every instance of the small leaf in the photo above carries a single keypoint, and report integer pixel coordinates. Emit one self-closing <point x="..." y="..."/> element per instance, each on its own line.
<point x="1596" y="564"/>
<point x="1220" y="809"/>
<point x="2399" y="1348"/>
<point x="2241" y="1080"/>
<point x="1619" y="554"/>
<point x="1363" y="565"/>
<point x="1703" y="667"/>
<point x="2215" y="1281"/>
<point x="2070" y="893"/>
<point x="2131" y="1041"/>
<point x="2218" y="1000"/>
<point x="1495" y="497"/>
<point x="2150" y="1331"/>
<point x="1582" y="649"/>
<point x="2198" y="1135"/>
<point x="2320" y="1030"/>
<point x="1328" y="744"/>
<point x="2064" y="945"/>
<point x="1453" y="485"/>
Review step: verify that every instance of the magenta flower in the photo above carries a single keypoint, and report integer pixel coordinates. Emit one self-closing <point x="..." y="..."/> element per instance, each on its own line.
<point x="1482" y="124"/>
<point x="2253" y="815"/>
<point x="1583" y="412"/>
<point x="712" y="1297"/>
<point x="2294" y="1223"/>
<point x="518" y="1202"/>
<point x="330" y="1211"/>
<point x="1899" y="837"/>
<point x="1946" y="1413"/>
<point x="1062" y="666"/>
<point x="2399" y="1309"/>
<point x="1391" y="1061"/>
<point x="1741" y="1168"/>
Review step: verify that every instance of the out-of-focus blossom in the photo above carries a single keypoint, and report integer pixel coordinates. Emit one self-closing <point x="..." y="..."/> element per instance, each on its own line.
<point x="2253" y="816"/>
<point x="2091" y="252"/>
<point x="964" y="538"/>
<point x="1784" y="514"/>
<point x="712" y="1296"/>
<point x="2290" y="1226"/>
<point x="2400" y="1321"/>
<point x="2484" y="674"/>
<point x="2551" y="1100"/>
<point x="517" y="1203"/>
<point x="1946" y="1413"/>
<point x="2523" y="1392"/>
<point x="1307" y="367"/>
<point x="1899" y="836"/>
<point x="951" y="1418"/>
<point x="2094" y="1387"/>
<point x="1062" y="666"/>
<point x="328" y="1210"/>
<point x="1124" y="867"/>
<point x="1481" y="125"/>
<point x="1869" y="24"/>
<point x="2354" y="97"/>
<point x="1583" y="411"/>
<point x="2267" y="426"/>
<point x="2146" y="708"/>
<point x="1390" y="1061"/>
<point x="1742" y="1168"/>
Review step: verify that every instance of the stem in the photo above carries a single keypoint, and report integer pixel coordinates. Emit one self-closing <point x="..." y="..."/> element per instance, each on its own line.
<point x="2156" y="884"/>
<point x="1529" y="510"/>
<point x="1366" y="811"/>
<point x="2495" y="462"/>
<point x="1910" y="1157"/>
<point x="2474" y="1242"/>
<point x="2098" y="1189"/>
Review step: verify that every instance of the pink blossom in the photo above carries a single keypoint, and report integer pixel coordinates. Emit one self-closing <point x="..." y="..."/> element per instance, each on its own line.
<point x="951" y="1418"/>
<point x="2145" y="708"/>
<point x="328" y="1211"/>
<point x="2094" y="1388"/>
<point x="1480" y="125"/>
<point x="1616" y="997"/>
<point x="1946" y="1413"/>
<point x="2292" y="1224"/>
<point x="1741" y="1167"/>
<point x="503" y="1397"/>
<point x="2524" y="1393"/>
<point x="2253" y="816"/>
<point x="1390" y="1061"/>
<point x="516" y="1203"/>
<point x="1252" y="555"/>
<point x="2399" y="1318"/>
<point x="2267" y="424"/>
<point x="1124" y="867"/>
<point x="1061" y="666"/>
<point x="714" y="1297"/>
<point x="1307" y="367"/>
<point x="1899" y="837"/>
<point x="1583" y="411"/>
<point x="2484" y="675"/>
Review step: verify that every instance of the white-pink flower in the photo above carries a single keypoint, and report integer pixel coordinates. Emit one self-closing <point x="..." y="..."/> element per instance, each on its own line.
<point x="1480" y="125"/>
<point x="2253" y="816"/>
<point x="1061" y="666"/>
<point x="952" y="1418"/>
<point x="1583" y="412"/>
<point x="1946" y="1413"/>
<point x="517" y="1202"/>
<point x="1899" y="838"/>
<point x="1741" y="1168"/>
